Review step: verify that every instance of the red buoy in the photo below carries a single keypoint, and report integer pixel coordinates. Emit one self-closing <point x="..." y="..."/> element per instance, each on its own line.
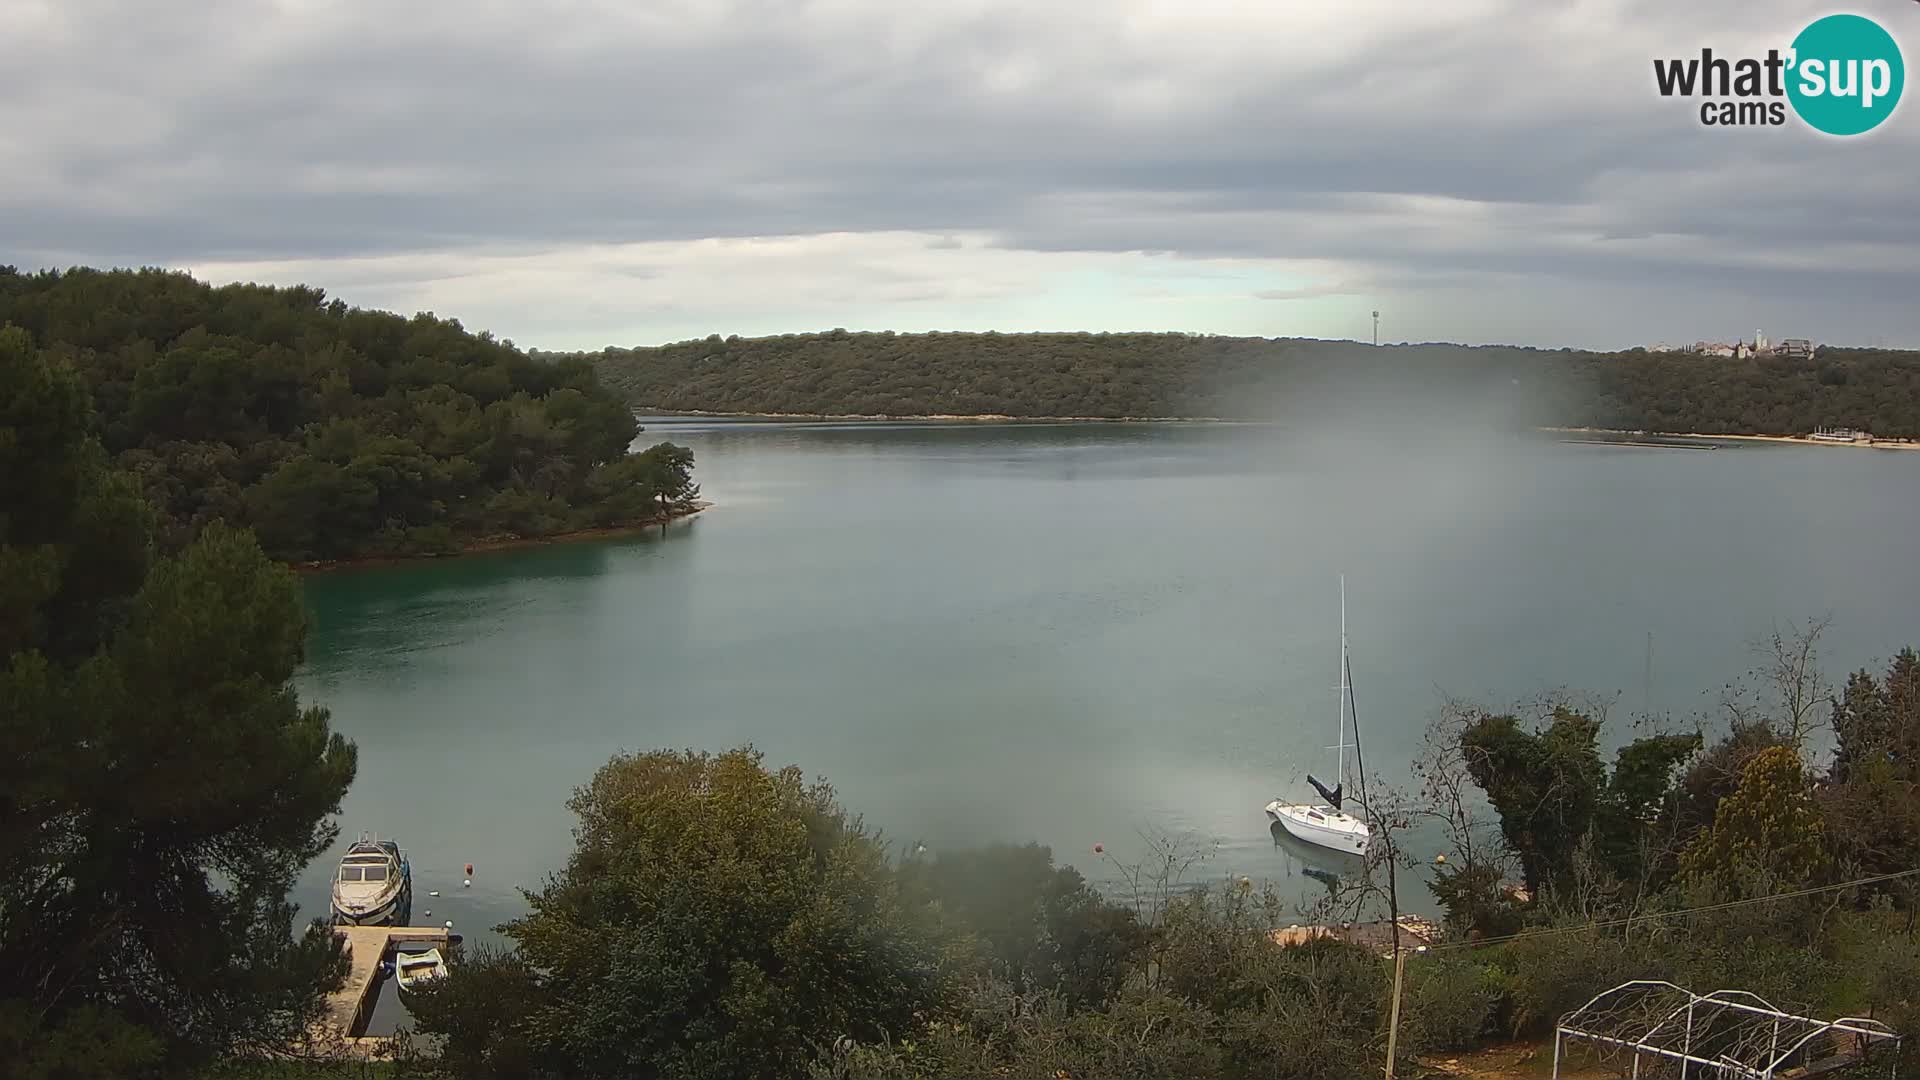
<point x="469" y="869"/>
<point x="1099" y="849"/>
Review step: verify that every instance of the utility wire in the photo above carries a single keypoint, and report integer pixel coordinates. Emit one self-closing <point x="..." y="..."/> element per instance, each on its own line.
<point x="1606" y="923"/>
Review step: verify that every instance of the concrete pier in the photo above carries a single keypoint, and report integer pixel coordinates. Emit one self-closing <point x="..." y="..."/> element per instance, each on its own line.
<point x="349" y="1007"/>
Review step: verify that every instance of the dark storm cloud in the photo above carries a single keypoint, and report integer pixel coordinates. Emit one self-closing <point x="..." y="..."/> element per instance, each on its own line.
<point x="1500" y="137"/>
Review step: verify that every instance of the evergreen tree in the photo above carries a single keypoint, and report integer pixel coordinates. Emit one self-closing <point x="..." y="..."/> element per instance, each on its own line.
<point x="1873" y="797"/>
<point x="160" y="785"/>
<point x="1767" y="834"/>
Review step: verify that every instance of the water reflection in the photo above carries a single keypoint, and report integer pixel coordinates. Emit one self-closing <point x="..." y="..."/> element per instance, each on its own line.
<point x="379" y="613"/>
<point x="1311" y="864"/>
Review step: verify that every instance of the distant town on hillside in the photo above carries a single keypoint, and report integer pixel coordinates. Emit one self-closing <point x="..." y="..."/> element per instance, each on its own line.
<point x="1740" y="350"/>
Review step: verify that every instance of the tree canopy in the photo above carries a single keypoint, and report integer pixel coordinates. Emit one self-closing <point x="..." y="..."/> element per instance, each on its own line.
<point x="1554" y="794"/>
<point x="160" y="783"/>
<point x="1872" y="798"/>
<point x="1768" y="830"/>
<point x="336" y="432"/>
<point x="1191" y="375"/>
<point x="1041" y="926"/>
<point x="716" y="919"/>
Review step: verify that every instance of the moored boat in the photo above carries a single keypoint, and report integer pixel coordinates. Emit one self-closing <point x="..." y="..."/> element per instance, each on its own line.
<point x="1327" y="824"/>
<point x="373" y="885"/>
<point x="414" y="970"/>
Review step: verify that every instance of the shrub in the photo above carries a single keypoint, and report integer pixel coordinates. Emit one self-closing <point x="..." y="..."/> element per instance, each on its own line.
<point x="715" y="920"/>
<point x="1551" y="974"/>
<point x="1452" y="1002"/>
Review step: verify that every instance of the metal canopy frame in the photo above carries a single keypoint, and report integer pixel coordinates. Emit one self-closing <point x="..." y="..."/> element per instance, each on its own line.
<point x="1671" y="1031"/>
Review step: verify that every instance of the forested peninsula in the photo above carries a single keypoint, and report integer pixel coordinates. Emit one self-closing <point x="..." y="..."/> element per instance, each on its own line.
<point x="337" y="433"/>
<point x="1186" y="375"/>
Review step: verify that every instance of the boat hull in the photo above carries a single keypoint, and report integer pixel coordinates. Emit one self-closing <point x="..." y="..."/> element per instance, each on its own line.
<point x="395" y="911"/>
<point x="419" y="969"/>
<point x="352" y="903"/>
<point x="1337" y="833"/>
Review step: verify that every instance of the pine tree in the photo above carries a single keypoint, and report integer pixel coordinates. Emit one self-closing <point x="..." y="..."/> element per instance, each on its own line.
<point x="160" y="784"/>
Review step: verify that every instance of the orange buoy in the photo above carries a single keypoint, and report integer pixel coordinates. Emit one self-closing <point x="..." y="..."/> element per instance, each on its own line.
<point x="469" y="869"/>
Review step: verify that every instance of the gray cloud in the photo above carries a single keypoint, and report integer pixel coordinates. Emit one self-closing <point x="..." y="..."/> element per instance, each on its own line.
<point x="1417" y="148"/>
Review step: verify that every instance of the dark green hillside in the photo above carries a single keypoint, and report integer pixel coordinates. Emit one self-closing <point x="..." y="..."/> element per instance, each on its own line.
<point x="333" y="431"/>
<point x="1165" y="375"/>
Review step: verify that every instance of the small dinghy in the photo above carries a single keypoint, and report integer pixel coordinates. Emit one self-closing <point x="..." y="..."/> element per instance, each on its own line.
<point x="413" y="970"/>
<point x="373" y="886"/>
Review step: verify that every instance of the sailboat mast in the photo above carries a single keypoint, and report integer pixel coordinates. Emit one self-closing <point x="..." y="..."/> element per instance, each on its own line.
<point x="1339" y="777"/>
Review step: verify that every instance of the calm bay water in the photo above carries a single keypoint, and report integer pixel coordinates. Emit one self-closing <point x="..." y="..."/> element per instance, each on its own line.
<point x="1069" y="633"/>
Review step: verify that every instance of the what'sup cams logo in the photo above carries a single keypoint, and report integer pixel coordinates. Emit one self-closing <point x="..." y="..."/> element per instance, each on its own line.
<point x="1842" y="75"/>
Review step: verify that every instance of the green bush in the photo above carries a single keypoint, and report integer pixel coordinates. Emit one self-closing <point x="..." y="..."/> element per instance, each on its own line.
<point x="480" y="1017"/>
<point x="1452" y="1001"/>
<point x="1040" y="925"/>
<point x="715" y="920"/>
<point x="1551" y="974"/>
<point x="1142" y="1034"/>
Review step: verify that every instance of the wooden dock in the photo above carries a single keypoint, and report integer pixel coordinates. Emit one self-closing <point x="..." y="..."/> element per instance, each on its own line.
<point x="349" y="1007"/>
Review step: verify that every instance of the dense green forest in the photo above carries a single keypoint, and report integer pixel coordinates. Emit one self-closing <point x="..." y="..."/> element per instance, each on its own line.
<point x="1185" y="375"/>
<point x="160" y="783"/>
<point x="335" y="432"/>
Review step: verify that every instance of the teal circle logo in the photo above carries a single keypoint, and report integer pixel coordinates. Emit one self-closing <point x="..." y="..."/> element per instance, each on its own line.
<point x="1846" y="75"/>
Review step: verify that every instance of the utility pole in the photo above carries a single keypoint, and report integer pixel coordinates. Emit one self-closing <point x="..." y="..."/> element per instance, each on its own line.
<point x="1386" y="836"/>
<point x="1376" y="329"/>
<point x="1393" y="1023"/>
<point x="1393" y="1019"/>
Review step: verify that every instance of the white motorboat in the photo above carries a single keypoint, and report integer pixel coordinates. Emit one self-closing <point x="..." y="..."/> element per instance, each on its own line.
<point x="412" y="970"/>
<point x="1327" y="823"/>
<point x="373" y="886"/>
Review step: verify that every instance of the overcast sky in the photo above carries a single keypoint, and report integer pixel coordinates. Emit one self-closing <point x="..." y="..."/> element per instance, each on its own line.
<point x="577" y="174"/>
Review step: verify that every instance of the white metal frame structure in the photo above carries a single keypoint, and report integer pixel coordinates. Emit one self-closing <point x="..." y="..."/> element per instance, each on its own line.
<point x="1668" y="1030"/>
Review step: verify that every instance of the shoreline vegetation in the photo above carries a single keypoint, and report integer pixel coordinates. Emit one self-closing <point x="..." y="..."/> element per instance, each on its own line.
<point x="662" y="412"/>
<point x="1000" y="961"/>
<point x="489" y="545"/>
<point x="1614" y="435"/>
<point x="1037" y="376"/>
<point x="336" y="434"/>
<point x="1629" y="438"/>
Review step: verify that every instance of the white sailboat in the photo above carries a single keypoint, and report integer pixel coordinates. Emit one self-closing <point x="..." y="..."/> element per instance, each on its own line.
<point x="1327" y="824"/>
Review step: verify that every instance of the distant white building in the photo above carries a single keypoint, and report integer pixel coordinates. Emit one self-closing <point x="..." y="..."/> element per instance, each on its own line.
<point x="1794" y="347"/>
<point x="1760" y="342"/>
